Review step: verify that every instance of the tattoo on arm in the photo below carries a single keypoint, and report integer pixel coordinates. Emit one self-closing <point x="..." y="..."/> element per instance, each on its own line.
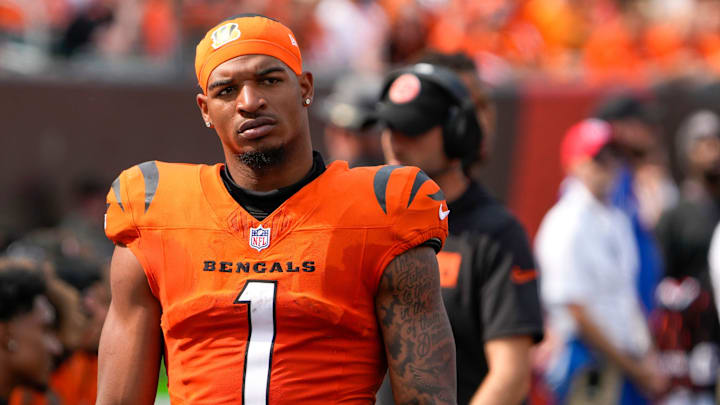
<point x="417" y="334"/>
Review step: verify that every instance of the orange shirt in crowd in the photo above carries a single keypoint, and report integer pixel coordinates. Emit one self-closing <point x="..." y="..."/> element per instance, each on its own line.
<point x="708" y="47"/>
<point x="73" y="383"/>
<point x="664" y="47"/>
<point x="611" y="54"/>
<point x="12" y="18"/>
<point x="159" y="28"/>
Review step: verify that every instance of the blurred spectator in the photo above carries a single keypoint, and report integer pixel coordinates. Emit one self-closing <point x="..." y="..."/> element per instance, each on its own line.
<point x="705" y="34"/>
<point x="714" y="263"/>
<point x="643" y="188"/>
<point x="354" y="34"/>
<point x="408" y="30"/>
<point x="611" y="52"/>
<point x="83" y="26"/>
<point x="301" y="17"/>
<point x="467" y="71"/>
<point x="12" y="19"/>
<point x="698" y="149"/>
<point x="75" y="379"/>
<point x="351" y="130"/>
<point x="159" y="28"/>
<point x="633" y="121"/>
<point x="27" y="340"/>
<point x="46" y="247"/>
<point x="90" y="280"/>
<point x="83" y="224"/>
<point x="588" y="264"/>
<point x="80" y="314"/>
<point x="686" y="323"/>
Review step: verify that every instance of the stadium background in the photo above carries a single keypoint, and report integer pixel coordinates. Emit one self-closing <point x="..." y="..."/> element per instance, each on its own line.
<point x="55" y="131"/>
<point x="90" y="87"/>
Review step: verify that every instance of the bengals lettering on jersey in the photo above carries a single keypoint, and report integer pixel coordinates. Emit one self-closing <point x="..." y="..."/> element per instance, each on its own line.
<point x="281" y="310"/>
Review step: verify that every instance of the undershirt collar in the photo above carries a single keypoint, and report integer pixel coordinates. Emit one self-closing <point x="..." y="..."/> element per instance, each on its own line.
<point x="260" y="204"/>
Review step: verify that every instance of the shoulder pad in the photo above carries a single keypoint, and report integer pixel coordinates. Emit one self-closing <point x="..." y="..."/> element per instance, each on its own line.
<point x="130" y="196"/>
<point x="391" y="183"/>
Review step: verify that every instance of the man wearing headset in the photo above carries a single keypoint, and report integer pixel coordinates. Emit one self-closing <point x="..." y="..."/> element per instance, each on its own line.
<point x="486" y="267"/>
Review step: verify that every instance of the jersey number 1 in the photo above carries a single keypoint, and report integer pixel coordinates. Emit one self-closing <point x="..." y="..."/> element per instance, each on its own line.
<point x="260" y="299"/>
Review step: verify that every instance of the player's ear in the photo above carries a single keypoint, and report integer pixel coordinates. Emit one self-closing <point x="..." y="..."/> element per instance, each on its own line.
<point x="202" y="105"/>
<point x="307" y="89"/>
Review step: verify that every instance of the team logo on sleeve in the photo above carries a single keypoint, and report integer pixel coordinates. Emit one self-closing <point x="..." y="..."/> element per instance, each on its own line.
<point x="259" y="238"/>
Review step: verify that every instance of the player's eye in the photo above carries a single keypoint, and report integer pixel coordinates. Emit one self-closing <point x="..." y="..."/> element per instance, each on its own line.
<point x="270" y="80"/>
<point x="225" y="91"/>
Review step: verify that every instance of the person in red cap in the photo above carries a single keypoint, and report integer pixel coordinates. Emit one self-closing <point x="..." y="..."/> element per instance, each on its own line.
<point x="588" y="264"/>
<point x="271" y="278"/>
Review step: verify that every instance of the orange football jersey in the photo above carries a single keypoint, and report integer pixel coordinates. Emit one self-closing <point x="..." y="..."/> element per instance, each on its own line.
<point x="279" y="311"/>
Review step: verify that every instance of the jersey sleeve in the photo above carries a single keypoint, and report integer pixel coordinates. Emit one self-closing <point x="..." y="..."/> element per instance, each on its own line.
<point x="415" y="209"/>
<point x="510" y="305"/>
<point x="128" y="200"/>
<point x="120" y="227"/>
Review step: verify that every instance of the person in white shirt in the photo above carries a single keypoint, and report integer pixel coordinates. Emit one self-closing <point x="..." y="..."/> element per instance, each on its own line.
<point x="588" y="263"/>
<point x="714" y="261"/>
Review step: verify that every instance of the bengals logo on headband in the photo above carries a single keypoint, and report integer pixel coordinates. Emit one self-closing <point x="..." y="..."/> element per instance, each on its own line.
<point x="224" y="34"/>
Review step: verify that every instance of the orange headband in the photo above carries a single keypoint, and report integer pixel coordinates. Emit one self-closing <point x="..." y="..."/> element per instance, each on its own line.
<point x="245" y="35"/>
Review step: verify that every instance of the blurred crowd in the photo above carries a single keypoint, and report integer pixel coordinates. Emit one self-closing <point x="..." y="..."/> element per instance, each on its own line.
<point x="624" y="262"/>
<point x="627" y="280"/>
<point x="54" y="295"/>
<point x="596" y="41"/>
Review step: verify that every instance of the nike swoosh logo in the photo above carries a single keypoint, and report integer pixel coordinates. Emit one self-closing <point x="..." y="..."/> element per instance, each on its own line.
<point x="442" y="214"/>
<point x="522" y="276"/>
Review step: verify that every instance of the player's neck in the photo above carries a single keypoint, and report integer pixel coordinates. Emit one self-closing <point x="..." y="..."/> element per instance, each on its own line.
<point x="291" y="169"/>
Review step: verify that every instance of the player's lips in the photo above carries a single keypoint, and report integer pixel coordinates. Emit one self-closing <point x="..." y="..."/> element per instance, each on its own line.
<point x="256" y="127"/>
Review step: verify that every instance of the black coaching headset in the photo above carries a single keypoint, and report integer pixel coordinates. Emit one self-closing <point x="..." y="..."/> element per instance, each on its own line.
<point x="462" y="133"/>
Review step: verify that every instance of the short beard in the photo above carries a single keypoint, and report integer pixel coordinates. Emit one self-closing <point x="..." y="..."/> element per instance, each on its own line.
<point x="262" y="159"/>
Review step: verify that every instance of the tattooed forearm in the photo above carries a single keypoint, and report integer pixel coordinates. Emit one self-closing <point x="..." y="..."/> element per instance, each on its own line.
<point x="416" y="330"/>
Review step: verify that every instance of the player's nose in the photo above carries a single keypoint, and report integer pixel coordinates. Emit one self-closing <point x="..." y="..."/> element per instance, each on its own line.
<point x="250" y="100"/>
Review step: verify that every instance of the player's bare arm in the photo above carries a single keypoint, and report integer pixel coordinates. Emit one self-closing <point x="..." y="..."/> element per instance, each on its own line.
<point x="129" y="356"/>
<point x="418" y="339"/>
<point x="508" y="378"/>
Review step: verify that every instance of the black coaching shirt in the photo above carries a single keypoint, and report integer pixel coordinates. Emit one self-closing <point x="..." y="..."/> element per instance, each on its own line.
<point x="489" y="282"/>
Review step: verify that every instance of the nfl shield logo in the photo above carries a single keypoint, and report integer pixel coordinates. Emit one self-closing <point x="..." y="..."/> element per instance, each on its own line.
<point x="259" y="238"/>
